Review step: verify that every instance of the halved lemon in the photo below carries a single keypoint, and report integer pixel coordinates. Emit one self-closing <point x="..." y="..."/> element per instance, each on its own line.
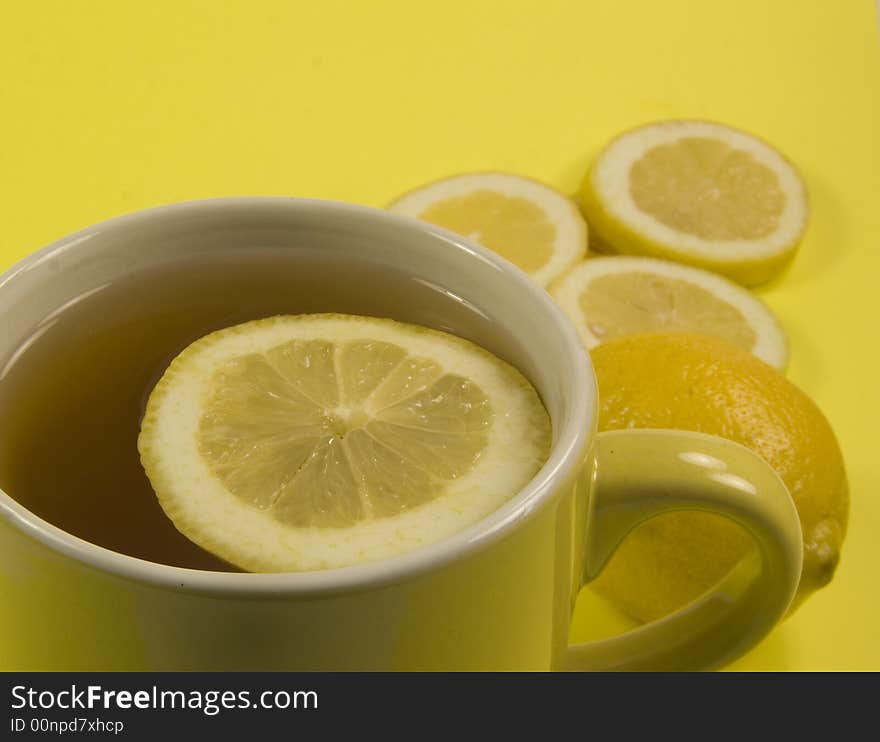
<point x="527" y="222"/>
<point x="699" y="193"/>
<point x="318" y="441"/>
<point x="609" y="297"/>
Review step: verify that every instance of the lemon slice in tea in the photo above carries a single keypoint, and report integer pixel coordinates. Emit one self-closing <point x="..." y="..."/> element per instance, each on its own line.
<point x="318" y="441"/>
<point x="699" y="193"/>
<point x="610" y="297"/>
<point x="527" y="222"/>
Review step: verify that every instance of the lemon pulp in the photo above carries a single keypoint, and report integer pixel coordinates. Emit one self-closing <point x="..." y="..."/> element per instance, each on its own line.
<point x="706" y="188"/>
<point x="326" y="434"/>
<point x="512" y="226"/>
<point x="642" y="302"/>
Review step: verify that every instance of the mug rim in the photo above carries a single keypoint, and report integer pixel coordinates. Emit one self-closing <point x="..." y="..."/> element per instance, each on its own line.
<point x="565" y="459"/>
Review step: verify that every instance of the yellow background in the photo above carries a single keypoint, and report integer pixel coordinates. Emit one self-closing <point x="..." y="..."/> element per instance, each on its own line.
<point x="107" y="107"/>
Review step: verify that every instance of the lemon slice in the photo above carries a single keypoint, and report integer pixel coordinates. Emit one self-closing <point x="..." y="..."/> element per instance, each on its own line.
<point x="610" y="297"/>
<point x="530" y="224"/>
<point x="699" y="193"/>
<point x="317" y="441"/>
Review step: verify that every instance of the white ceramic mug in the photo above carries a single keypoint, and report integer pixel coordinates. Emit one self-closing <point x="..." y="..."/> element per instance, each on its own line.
<point x="497" y="595"/>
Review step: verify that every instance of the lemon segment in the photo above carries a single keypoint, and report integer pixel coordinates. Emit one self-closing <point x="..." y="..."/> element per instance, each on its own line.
<point x="615" y="296"/>
<point x="699" y="193"/>
<point x="527" y="222"/>
<point x="318" y="441"/>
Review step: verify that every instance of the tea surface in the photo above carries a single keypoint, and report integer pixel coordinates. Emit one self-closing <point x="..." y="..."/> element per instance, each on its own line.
<point x="73" y="396"/>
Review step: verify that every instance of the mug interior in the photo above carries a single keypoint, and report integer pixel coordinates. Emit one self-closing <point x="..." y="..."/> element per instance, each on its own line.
<point x="369" y="262"/>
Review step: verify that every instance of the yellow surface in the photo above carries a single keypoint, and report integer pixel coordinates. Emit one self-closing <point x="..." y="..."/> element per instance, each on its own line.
<point x="111" y="106"/>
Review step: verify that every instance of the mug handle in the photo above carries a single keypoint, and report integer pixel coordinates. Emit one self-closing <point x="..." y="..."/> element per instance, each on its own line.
<point x="643" y="473"/>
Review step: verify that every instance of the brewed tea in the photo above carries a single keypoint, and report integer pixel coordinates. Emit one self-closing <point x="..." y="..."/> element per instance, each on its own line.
<point x="73" y="395"/>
